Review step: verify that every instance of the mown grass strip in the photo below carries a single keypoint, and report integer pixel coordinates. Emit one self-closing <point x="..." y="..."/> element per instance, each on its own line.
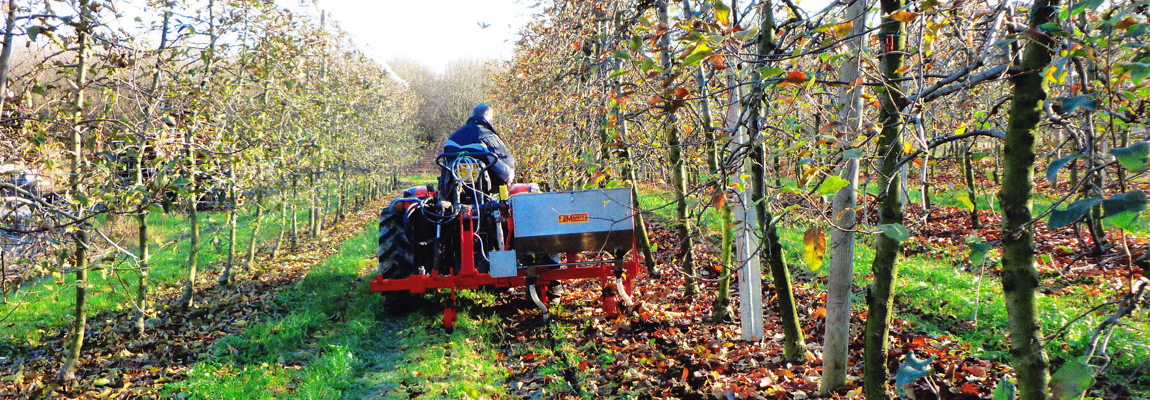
<point x="335" y="340"/>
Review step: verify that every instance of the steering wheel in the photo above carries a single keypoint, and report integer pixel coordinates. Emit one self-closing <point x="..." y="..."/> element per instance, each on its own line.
<point x="467" y="170"/>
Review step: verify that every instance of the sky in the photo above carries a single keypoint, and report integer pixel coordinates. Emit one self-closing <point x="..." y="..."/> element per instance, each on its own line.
<point x="438" y="32"/>
<point x="433" y="33"/>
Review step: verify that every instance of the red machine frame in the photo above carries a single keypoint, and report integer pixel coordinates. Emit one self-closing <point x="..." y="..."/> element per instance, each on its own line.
<point x="470" y="278"/>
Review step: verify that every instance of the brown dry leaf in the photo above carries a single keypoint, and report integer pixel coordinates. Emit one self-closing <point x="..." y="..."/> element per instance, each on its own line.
<point x="796" y="76"/>
<point x="1125" y="23"/>
<point x="719" y="199"/>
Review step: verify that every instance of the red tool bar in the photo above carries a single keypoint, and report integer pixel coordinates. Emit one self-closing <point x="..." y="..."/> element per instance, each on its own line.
<point x="420" y="283"/>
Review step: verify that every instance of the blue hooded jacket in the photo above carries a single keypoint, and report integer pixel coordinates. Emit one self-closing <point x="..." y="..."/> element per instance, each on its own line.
<point x="478" y="135"/>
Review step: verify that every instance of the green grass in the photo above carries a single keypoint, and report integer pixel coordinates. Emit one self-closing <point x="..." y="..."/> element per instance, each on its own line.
<point x="336" y="341"/>
<point x="41" y="308"/>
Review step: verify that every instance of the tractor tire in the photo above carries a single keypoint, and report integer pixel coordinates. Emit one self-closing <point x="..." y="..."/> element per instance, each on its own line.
<point x="396" y="253"/>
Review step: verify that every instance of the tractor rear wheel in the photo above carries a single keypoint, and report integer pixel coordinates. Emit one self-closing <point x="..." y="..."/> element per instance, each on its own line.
<point x="396" y="253"/>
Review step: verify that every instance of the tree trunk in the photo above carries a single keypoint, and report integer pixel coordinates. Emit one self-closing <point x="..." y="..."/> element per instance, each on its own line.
<point x="341" y="193"/>
<point x="311" y="208"/>
<point x="721" y="307"/>
<point x="142" y="287"/>
<point x="226" y="277"/>
<point x="1019" y="278"/>
<point x="139" y="325"/>
<point x="840" y="268"/>
<point x="678" y="171"/>
<point x="283" y="225"/>
<point x="969" y="167"/>
<point x="641" y="236"/>
<point x="892" y="37"/>
<point x="294" y="216"/>
<point x="193" y="255"/>
<point x="924" y="181"/>
<point x="80" y="261"/>
<point x="6" y="54"/>
<point x="259" y="221"/>
<point x="793" y="340"/>
<point x="194" y="228"/>
<point x="325" y="209"/>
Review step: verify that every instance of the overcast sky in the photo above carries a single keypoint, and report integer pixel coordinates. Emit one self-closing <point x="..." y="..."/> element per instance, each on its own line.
<point x="433" y="33"/>
<point x="437" y="32"/>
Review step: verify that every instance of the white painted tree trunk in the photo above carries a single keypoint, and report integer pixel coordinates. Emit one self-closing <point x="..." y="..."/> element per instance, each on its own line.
<point x="840" y="270"/>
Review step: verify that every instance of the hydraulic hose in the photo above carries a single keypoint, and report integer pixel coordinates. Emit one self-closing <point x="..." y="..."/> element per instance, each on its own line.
<point x="538" y="302"/>
<point x="622" y="291"/>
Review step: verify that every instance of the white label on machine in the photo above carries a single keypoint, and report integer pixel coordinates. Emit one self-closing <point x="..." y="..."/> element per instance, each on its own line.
<point x="502" y="263"/>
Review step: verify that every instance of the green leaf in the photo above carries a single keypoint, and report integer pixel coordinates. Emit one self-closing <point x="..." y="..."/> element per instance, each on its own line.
<point x="767" y="72"/>
<point x="1124" y="221"/>
<point x="978" y="252"/>
<point x="1138" y="30"/>
<point x="1133" y="201"/>
<point x="1138" y="71"/>
<point x="647" y="65"/>
<point x="853" y="153"/>
<point x="1070" y="380"/>
<point x="832" y="185"/>
<point x="636" y="43"/>
<point x="910" y="370"/>
<point x="1005" y="389"/>
<point x="1052" y="169"/>
<point x="692" y="37"/>
<point x="976" y="157"/>
<point x="1050" y="27"/>
<point x="1060" y="218"/>
<point x="1069" y="104"/>
<point x="620" y="73"/>
<point x="33" y="31"/>
<point x="895" y="231"/>
<point x="701" y="51"/>
<point x="1133" y="157"/>
<point x="1002" y="44"/>
<point x="722" y="12"/>
<point x="620" y="54"/>
<point x="964" y="198"/>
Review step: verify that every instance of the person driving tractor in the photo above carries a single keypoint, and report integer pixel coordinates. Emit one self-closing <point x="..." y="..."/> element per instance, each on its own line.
<point x="478" y="136"/>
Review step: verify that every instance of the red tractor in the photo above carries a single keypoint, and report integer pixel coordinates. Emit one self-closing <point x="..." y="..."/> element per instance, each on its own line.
<point x="465" y="234"/>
